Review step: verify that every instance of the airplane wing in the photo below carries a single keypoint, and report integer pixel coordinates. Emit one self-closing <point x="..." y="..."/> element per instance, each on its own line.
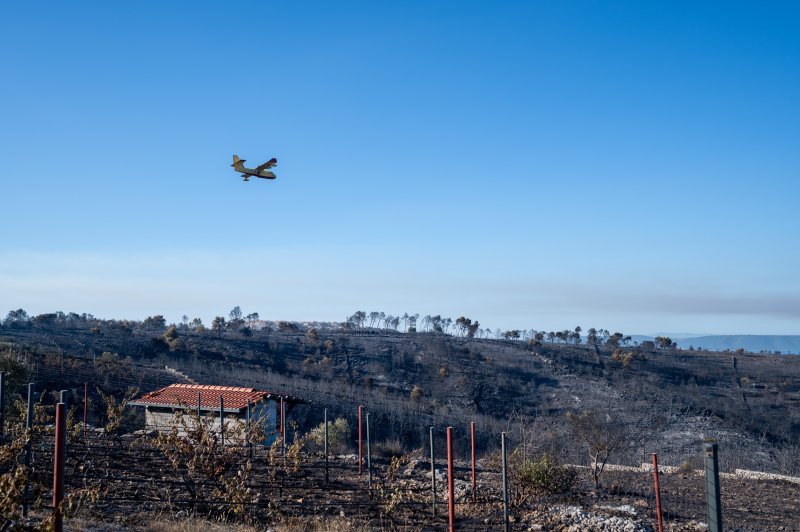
<point x="269" y="164"/>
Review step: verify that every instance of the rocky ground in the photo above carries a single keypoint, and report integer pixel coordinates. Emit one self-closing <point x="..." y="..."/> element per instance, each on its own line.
<point x="139" y="494"/>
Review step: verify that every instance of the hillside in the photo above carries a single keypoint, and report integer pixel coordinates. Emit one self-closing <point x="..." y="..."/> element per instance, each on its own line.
<point x="663" y="401"/>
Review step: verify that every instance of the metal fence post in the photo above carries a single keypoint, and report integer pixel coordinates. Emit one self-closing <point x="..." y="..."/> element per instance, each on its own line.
<point x="712" y="487"/>
<point x="451" y="503"/>
<point x="58" y="465"/>
<point x="247" y="428"/>
<point x="279" y="421"/>
<point x="472" y="437"/>
<point x="433" y="475"/>
<point x="326" y="445"/>
<point x="62" y="397"/>
<point x="222" y="419"/>
<point x="2" y="403"/>
<point x="28" y="447"/>
<point x="85" y="407"/>
<point x="505" y="480"/>
<point x="360" y="441"/>
<point x="369" y="460"/>
<point x="31" y="401"/>
<point x="658" y="493"/>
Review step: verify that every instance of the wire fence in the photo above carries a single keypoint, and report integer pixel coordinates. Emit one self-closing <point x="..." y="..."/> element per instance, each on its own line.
<point x="106" y="475"/>
<point x="131" y="475"/>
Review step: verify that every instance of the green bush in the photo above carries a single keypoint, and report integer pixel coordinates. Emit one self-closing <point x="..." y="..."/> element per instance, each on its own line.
<point x="545" y="476"/>
<point x="339" y="436"/>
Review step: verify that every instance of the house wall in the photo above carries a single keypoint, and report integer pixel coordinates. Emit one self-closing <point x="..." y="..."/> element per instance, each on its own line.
<point x="161" y="419"/>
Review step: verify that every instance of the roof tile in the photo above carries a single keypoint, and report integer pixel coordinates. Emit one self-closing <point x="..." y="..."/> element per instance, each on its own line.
<point x="234" y="397"/>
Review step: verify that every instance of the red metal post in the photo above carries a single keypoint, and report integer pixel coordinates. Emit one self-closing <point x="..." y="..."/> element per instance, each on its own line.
<point x="472" y="435"/>
<point x="58" y="465"/>
<point x="85" y="407"/>
<point x="360" y="439"/>
<point x="658" y="493"/>
<point x="451" y="503"/>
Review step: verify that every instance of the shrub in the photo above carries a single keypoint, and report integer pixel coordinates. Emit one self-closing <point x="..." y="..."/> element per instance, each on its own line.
<point x="626" y="357"/>
<point x="176" y="344"/>
<point x="16" y="367"/>
<point x="416" y="393"/>
<point x="389" y="448"/>
<point x="339" y="433"/>
<point x="200" y="458"/>
<point x="545" y="475"/>
<point x="171" y="334"/>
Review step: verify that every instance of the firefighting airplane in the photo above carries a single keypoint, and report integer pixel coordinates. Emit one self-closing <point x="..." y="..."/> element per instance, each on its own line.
<point x="261" y="171"/>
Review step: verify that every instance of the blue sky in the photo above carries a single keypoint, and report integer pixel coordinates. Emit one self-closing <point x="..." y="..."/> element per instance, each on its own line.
<point x="626" y="165"/>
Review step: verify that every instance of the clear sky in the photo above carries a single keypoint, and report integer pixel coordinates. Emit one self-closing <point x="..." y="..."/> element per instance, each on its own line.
<point x="627" y="165"/>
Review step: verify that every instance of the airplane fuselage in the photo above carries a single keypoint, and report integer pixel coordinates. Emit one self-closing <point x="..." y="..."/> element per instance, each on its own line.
<point x="252" y="172"/>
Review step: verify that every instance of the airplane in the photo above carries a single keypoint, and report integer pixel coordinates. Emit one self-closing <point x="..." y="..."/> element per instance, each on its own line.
<point x="261" y="171"/>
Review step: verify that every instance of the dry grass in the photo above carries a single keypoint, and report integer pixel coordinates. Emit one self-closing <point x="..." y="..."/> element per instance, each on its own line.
<point x="193" y="524"/>
<point x="311" y="524"/>
<point x="167" y="522"/>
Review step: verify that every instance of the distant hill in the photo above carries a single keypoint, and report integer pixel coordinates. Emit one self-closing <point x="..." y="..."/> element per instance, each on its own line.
<point x="754" y="343"/>
<point x="749" y="342"/>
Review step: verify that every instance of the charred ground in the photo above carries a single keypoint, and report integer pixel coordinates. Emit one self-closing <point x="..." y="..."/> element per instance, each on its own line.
<point x="660" y="400"/>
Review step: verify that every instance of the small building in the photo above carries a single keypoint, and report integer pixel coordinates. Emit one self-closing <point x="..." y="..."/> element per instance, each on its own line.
<point x="160" y="405"/>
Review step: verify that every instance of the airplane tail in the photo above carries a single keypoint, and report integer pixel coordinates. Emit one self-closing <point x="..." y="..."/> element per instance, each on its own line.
<point x="237" y="161"/>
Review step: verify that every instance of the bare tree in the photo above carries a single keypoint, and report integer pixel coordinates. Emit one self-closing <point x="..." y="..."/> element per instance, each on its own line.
<point x="357" y="319"/>
<point x="446" y="323"/>
<point x="591" y="336"/>
<point x="601" y="435"/>
<point x="462" y="324"/>
<point x="427" y="322"/>
<point x="372" y="317"/>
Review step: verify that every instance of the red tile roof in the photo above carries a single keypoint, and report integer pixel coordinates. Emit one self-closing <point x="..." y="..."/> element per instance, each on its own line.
<point x="175" y="395"/>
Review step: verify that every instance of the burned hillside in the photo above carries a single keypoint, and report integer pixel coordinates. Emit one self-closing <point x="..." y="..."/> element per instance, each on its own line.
<point x="663" y="400"/>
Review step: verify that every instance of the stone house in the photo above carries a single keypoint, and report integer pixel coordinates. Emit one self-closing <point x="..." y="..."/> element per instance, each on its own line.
<point x="160" y="406"/>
